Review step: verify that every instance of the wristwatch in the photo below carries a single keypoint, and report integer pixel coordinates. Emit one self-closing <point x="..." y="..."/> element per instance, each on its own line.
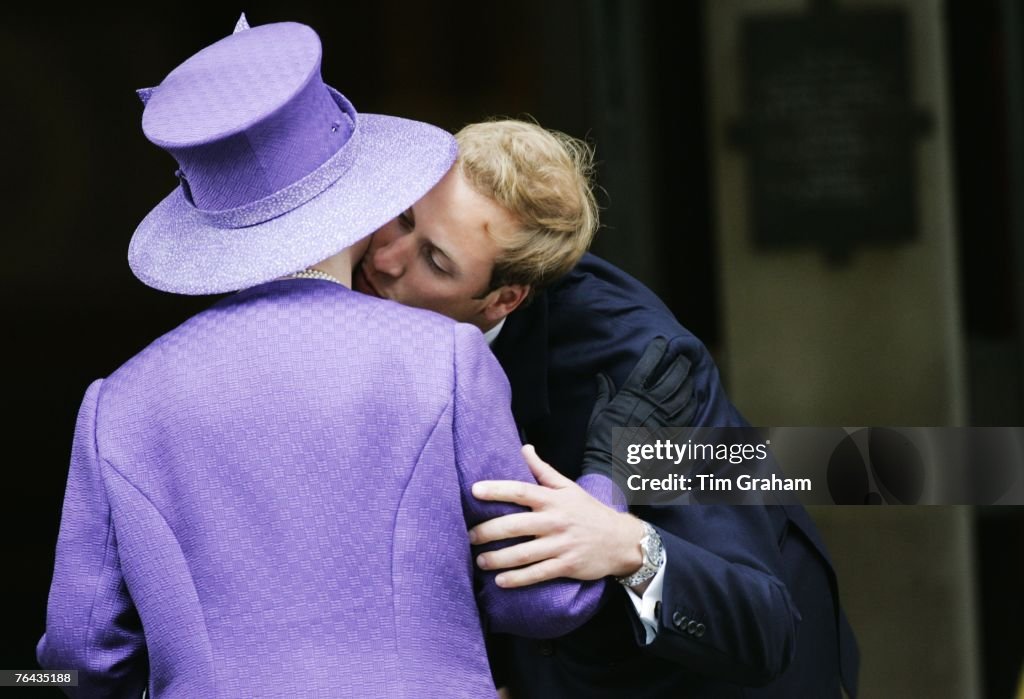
<point x="654" y="556"/>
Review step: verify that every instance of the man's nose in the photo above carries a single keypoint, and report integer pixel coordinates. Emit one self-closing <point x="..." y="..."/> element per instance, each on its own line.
<point x="390" y="259"/>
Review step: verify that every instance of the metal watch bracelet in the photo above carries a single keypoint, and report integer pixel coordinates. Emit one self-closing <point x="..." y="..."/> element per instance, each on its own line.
<point x="653" y="557"/>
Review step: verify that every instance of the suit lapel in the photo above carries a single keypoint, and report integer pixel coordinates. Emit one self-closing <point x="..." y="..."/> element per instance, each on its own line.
<point x="521" y="349"/>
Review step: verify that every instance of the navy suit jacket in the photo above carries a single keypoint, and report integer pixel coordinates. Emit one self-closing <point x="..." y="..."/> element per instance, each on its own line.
<point x="757" y="581"/>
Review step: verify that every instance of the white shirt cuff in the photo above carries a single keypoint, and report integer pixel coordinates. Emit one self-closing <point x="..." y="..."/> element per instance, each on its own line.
<point x="652" y="596"/>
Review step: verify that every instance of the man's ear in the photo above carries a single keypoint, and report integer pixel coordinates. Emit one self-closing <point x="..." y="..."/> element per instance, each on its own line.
<point x="504" y="300"/>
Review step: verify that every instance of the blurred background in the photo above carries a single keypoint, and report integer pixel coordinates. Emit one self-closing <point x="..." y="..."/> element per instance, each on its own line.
<point x="827" y="193"/>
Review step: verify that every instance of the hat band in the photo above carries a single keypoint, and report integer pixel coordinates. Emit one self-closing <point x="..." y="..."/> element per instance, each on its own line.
<point x="297" y="193"/>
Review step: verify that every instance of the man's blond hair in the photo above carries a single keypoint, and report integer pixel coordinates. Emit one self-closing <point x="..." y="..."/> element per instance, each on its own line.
<point x="541" y="177"/>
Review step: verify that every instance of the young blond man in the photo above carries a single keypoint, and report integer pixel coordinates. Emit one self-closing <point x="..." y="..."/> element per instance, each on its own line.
<point x="710" y="597"/>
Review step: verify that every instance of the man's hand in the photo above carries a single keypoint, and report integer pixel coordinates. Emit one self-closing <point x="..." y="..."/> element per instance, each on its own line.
<point x="576" y="535"/>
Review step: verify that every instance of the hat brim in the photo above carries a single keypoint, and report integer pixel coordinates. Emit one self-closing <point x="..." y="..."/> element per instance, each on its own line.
<point x="176" y="249"/>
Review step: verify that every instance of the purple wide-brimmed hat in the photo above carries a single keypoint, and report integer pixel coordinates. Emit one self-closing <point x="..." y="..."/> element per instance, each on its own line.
<point x="277" y="170"/>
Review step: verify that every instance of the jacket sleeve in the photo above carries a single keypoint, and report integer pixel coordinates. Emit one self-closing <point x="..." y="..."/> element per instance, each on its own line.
<point x="91" y="623"/>
<point x="724" y="611"/>
<point x="487" y="448"/>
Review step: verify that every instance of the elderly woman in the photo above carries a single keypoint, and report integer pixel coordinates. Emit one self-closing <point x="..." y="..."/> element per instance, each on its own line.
<point x="273" y="498"/>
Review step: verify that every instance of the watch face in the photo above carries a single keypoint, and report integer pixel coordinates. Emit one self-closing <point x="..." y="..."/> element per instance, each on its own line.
<point x="652" y="548"/>
<point x="653" y="555"/>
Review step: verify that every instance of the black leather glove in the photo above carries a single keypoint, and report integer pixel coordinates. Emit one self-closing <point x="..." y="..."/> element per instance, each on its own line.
<point x="648" y="399"/>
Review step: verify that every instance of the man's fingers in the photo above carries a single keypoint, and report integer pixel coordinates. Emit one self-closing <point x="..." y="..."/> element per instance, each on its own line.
<point x="517" y="556"/>
<point x="545" y="474"/>
<point x="538" y="572"/>
<point x="511" y="526"/>
<point x="518" y="492"/>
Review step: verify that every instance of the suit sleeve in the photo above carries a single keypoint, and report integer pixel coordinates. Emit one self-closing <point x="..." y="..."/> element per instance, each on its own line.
<point x="724" y="609"/>
<point x="91" y="623"/>
<point x="487" y="448"/>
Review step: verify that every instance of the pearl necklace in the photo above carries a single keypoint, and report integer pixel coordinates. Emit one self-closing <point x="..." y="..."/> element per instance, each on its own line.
<point x="310" y="273"/>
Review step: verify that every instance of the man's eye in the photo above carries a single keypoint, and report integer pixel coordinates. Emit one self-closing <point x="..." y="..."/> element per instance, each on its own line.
<point x="432" y="263"/>
<point x="405" y="221"/>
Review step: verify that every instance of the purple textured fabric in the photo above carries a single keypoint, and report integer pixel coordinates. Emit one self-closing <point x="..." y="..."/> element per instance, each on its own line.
<point x="273" y="500"/>
<point x="278" y="170"/>
<point x="248" y="105"/>
<point x="605" y="490"/>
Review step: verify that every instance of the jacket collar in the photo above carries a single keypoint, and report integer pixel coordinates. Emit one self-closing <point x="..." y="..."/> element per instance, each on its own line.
<point x="522" y="351"/>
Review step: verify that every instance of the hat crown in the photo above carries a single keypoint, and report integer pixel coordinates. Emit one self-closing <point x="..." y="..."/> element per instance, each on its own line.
<point x="248" y="116"/>
<point x="228" y="85"/>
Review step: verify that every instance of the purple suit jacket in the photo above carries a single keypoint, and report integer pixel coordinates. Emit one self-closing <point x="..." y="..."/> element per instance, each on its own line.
<point x="273" y="499"/>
